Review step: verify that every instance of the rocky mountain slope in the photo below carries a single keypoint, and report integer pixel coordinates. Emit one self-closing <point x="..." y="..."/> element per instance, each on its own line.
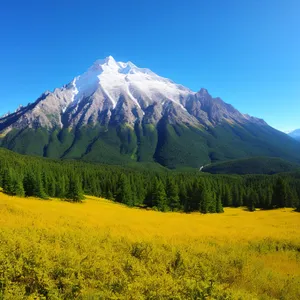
<point x="118" y="113"/>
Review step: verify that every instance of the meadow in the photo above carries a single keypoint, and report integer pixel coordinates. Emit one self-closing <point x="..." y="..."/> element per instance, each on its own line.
<point x="98" y="249"/>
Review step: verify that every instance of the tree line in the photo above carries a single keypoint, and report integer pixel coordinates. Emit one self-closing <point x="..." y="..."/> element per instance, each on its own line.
<point x="163" y="191"/>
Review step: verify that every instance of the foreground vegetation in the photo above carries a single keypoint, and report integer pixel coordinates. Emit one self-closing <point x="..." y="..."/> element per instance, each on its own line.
<point x="102" y="250"/>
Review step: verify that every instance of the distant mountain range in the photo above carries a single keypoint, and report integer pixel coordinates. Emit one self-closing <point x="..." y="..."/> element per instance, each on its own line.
<point x="295" y="134"/>
<point x="119" y="113"/>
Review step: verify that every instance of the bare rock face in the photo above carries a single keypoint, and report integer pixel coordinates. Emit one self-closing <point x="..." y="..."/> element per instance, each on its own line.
<point x="213" y="111"/>
<point x="45" y="112"/>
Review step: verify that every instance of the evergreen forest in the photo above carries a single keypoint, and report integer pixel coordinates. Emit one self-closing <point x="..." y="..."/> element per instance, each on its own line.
<point x="162" y="190"/>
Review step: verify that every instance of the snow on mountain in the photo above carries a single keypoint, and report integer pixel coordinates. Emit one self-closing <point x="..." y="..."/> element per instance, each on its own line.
<point x="112" y="92"/>
<point x="116" y="78"/>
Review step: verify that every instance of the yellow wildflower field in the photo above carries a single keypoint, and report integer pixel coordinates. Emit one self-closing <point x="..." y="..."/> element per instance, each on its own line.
<point x="102" y="250"/>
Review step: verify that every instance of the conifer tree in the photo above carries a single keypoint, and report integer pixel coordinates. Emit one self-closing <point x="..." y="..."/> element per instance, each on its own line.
<point x="18" y="188"/>
<point x="134" y="194"/>
<point x="185" y="195"/>
<point x="196" y="196"/>
<point x="292" y="198"/>
<point x="227" y="196"/>
<point x="159" y="196"/>
<point x="75" y="193"/>
<point x="298" y="207"/>
<point x="39" y="187"/>
<point x="182" y="192"/>
<point x="268" y="197"/>
<point x="51" y="188"/>
<point x="252" y="200"/>
<point x="110" y="196"/>
<point x="241" y="197"/>
<point x="173" y="195"/>
<point x="219" y="207"/>
<point x="212" y="204"/>
<point x="28" y="184"/>
<point x="206" y="201"/>
<point x="124" y="193"/>
<point x="236" y="196"/>
<point x="7" y="181"/>
<point x="280" y="194"/>
<point x="60" y="188"/>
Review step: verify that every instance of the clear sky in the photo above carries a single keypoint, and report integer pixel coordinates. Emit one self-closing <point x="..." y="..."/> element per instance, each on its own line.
<point x="246" y="52"/>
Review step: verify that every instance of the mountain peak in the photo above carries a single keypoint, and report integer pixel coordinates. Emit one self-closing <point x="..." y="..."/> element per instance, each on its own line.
<point x="116" y="79"/>
<point x="203" y="92"/>
<point x="107" y="60"/>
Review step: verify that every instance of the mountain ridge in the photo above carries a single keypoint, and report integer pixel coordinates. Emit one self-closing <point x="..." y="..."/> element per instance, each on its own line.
<point x="116" y="111"/>
<point x="109" y="85"/>
<point x="295" y="134"/>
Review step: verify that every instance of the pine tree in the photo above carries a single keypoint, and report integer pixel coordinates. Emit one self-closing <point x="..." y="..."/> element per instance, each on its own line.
<point x="7" y="182"/>
<point x="298" y="206"/>
<point x="39" y="187"/>
<point x="236" y="196"/>
<point x="268" y="198"/>
<point x="196" y="196"/>
<point x="109" y="195"/>
<point x="186" y="205"/>
<point x="60" y="189"/>
<point x="51" y="187"/>
<point x="172" y="195"/>
<point x="205" y="201"/>
<point x="134" y="198"/>
<point x="280" y="195"/>
<point x="219" y="207"/>
<point x="75" y="193"/>
<point x="252" y="200"/>
<point x="183" y="194"/>
<point x="241" y="198"/>
<point x="124" y="192"/>
<point x="227" y="196"/>
<point x="28" y="184"/>
<point x="18" y="188"/>
<point x="298" y="200"/>
<point x="292" y="197"/>
<point x="212" y="204"/>
<point x="159" y="199"/>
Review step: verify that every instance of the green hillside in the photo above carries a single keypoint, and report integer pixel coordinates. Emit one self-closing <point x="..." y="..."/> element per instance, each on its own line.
<point x="253" y="165"/>
<point x="170" y="145"/>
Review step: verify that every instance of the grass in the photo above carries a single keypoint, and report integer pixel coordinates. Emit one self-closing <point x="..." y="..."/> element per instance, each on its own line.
<point x="102" y="250"/>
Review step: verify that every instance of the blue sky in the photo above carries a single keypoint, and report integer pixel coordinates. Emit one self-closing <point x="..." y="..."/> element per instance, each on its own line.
<point x="246" y="52"/>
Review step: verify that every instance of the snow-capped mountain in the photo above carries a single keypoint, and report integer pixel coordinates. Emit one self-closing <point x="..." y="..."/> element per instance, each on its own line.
<point x="115" y="79"/>
<point x="116" y="110"/>
<point x="111" y="91"/>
